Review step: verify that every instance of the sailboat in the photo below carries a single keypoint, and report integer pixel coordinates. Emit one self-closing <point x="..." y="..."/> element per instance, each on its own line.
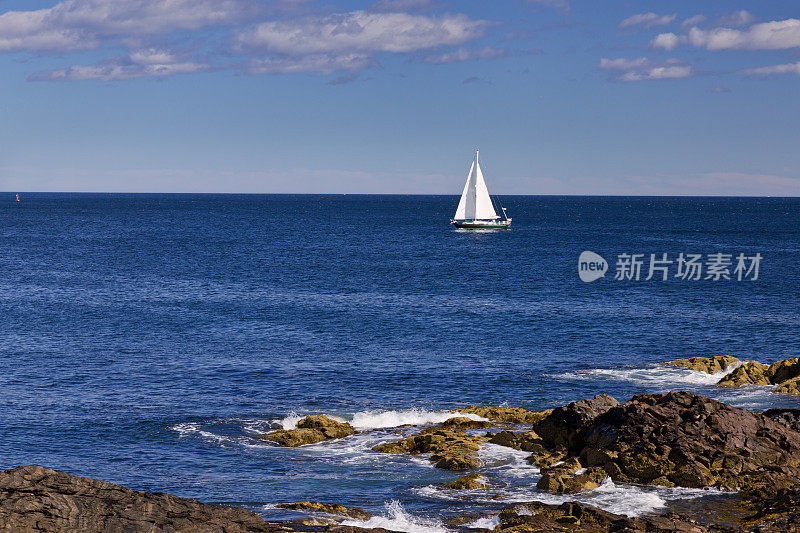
<point x="475" y="209"/>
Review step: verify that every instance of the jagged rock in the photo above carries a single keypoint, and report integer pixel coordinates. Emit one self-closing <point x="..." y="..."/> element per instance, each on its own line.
<point x="36" y="499"/>
<point x="469" y="482"/>
<point x="310" y="430"/>
<point x="790" y="386"/>
<point x="693" y="441"/>
<point x="748" y="373"/>
<point x="786" y="416"/>
<point x="452" y="449"/>
<point x="710" y="365"/>
<point x="330" y="508"/>
<point x="562" y="427"/>
<point x="782" y="371"/>
<point x="511" y="415"/>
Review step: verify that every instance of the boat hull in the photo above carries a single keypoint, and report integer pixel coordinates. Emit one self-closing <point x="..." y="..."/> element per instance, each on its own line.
<point x="481" y="224"/>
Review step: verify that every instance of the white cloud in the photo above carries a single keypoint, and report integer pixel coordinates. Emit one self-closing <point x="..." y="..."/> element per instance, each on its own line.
<point x="693" y="21"/>
<point x="321" y="63"/>
<point x="737" y="18"/>
<point x="666" y="41"/>
<point x="359" y="31"/>
<point x="140" y="64"/>
<point x="623" y="64"/>
<point x="464" y="54"/>
<point x="648" y="20"/>
<point x="641" y="68"/>
<point x="659" y="73"/>
<point x="775" y="35"/>
<point x="74" y="25"/>
<point x="788" y="68"/>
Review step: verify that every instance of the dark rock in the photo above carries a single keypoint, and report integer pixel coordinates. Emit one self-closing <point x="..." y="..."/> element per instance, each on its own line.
<point x="462" y="422"/>
<point x="785" y="370"/>
<point x="693" y="441"/>
<point x="562" y="428"/>
<point x="36" y="499"/>
<point x="786" y="416"/>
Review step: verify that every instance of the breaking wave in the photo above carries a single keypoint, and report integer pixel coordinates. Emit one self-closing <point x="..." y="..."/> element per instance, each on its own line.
<point x="397" y="518"/>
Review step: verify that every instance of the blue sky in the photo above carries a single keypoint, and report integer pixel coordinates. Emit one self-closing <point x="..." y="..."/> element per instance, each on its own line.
<point x="393" y="96"/>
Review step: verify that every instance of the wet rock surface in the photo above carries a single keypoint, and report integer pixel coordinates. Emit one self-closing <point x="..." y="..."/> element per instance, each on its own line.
<point x="310" y="430"/>
<point x="784" y="374"/>
<point x="749" y="373"/>
<point x="469" y="482"/>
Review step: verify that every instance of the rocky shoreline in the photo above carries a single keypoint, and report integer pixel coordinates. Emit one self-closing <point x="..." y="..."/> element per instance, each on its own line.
<point x="676" y="439"/>
<point x="784" y="375"/>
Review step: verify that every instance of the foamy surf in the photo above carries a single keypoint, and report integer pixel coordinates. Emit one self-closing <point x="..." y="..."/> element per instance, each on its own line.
<point x="397" y="518"/>
<point x="658" y="375"/>
<point x="383" y="419"/>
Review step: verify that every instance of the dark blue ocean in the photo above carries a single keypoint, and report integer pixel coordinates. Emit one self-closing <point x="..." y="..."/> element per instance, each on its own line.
<point x="147" y="339"/>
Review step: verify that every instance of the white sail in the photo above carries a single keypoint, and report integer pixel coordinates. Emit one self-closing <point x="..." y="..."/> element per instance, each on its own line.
<point x="475" y="203"/>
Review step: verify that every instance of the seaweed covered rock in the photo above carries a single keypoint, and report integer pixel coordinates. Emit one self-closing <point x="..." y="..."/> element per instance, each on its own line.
<point x="790" y="386"/>
<point x="329" y="508"/>
<point x="562" y="428"/>
<point x="509" y="415"/>
<point x="569" y="477"/>
<point x="688" y="440"/>
<point x="710" y="365"/>
<point x="451" y="449"/>
<point x="469" y="482"/>
<point x="310" y="430"/>
<point x="782" y="371"/>
<point x="748" y="373"/>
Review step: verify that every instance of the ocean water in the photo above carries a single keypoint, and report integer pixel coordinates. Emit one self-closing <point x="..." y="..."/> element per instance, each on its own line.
<point x="147" y="339"/>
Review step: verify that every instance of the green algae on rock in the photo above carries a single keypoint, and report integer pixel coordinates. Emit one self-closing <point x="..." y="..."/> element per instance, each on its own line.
<point x="310" y="430"/>
<point x="709" y="365"/>
<point x="469" y="482"/>
<point x="329" y="508"/>
<point x="452" y="449"/>
<point x="509" y="415"/>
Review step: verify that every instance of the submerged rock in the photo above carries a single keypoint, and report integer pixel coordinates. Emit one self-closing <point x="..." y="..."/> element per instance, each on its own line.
<point x="310" y="430"/>
<point x="469" y="482"/>
<point x="510" y="415"/>
<point x="748" y="373"/>
<point x="451" y="449"/>
<point x="709" y="365"/>
<point x="329" y="508"/>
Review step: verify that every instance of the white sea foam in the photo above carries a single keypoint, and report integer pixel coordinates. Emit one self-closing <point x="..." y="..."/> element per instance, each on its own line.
<point x="507" y="461"/>
<point x="416" y="417"/>
<point x="486" y="522"/>
<point x="398" y="519"/>
<point x="377" y="419"/>
<point x="658" y="375"/>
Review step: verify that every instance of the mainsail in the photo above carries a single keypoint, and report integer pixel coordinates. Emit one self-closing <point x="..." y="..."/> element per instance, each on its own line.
<point x="475" y="203"/>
